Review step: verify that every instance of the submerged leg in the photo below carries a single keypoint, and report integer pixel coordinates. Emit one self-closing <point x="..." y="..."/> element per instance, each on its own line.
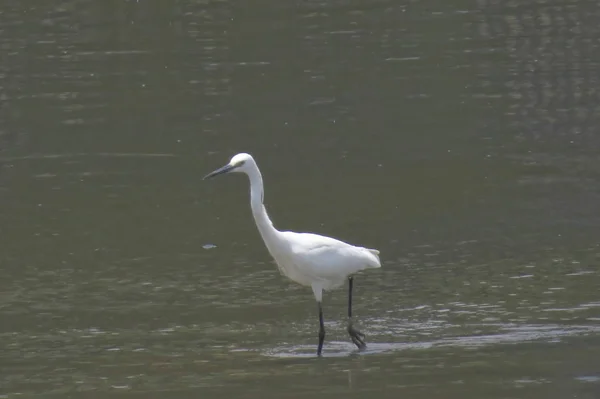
<point x="321" y="330"/>
<point x="356" y="336"/>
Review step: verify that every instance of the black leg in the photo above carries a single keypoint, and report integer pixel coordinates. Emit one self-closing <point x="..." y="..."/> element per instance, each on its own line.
<point x="321" y="330"/>
<point x="350" y="281"/>
<point x="356" y="336"/>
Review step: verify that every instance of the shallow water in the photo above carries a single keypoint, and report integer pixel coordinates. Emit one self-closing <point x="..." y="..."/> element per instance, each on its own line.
<point x="460" y="139"/>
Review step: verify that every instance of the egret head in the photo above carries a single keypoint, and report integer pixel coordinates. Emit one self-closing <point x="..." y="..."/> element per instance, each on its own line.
<point x="239" y="163"/>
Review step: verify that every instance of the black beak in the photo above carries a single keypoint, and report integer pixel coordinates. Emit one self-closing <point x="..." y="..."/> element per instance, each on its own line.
<point x="220" y="171"/>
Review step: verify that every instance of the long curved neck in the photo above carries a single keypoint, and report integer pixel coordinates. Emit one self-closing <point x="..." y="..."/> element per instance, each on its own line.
<point x="264" y="224"/>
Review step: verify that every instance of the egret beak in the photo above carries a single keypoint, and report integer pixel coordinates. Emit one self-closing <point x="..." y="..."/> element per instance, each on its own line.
<point x="225" y="169"/>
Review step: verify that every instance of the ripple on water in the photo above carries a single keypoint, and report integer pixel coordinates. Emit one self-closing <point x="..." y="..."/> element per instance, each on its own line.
<point x="510" y="334"/>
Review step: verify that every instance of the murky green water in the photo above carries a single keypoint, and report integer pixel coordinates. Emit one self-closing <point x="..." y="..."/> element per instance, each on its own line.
<point x="459" y="138"/>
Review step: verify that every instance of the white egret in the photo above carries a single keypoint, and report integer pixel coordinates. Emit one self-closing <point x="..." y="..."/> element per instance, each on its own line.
<point x="319" y="262"/>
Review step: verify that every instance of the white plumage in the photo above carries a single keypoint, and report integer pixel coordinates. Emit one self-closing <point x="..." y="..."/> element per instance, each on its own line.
<point x="319" y="262"/>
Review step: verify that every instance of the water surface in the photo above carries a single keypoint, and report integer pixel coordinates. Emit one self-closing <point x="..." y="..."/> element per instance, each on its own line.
<point x="459" y="138"/>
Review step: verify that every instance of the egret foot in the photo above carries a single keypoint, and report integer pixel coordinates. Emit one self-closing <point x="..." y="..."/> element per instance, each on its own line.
<point x="321" y="339"/>
<point x="357" y="337"/>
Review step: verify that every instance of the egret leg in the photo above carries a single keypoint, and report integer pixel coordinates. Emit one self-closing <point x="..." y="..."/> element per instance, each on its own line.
<point x="321" y="330"/>
<point x="356" y="336"/>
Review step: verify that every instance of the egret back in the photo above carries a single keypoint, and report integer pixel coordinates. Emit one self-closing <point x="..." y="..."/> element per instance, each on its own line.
<point x="309" y="258"/>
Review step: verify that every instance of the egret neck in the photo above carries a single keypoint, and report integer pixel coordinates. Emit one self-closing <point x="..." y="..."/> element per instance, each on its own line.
<point x="264" y="224"/>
